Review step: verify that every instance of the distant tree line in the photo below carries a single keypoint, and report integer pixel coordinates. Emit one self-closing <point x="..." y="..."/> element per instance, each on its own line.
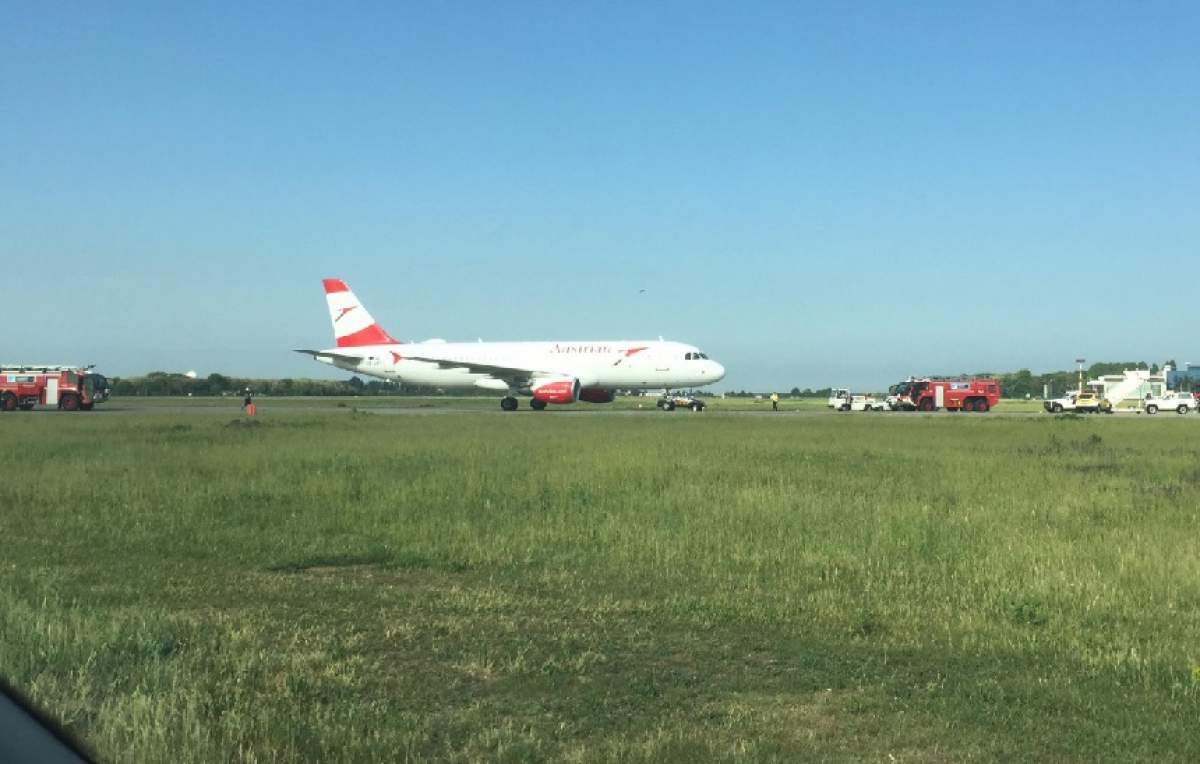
<point x="164" y="383"/>
<point x="795" y="393"/>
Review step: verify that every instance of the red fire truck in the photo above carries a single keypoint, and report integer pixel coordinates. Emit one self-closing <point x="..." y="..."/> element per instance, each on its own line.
<point x="950" y="394"/>
<point x="67" y="387"/>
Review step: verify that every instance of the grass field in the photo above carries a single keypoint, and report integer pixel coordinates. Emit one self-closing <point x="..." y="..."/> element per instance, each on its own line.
<point x="341" y="585"/>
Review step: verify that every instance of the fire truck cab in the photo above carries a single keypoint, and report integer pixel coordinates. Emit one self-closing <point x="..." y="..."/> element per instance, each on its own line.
<point x="66" y="387"/>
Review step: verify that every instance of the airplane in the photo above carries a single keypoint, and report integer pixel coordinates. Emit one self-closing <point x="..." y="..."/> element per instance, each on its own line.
<point x="546" y="372"/>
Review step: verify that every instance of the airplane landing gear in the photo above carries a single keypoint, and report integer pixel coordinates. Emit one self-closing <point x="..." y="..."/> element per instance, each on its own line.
<point x="537" y="405"/>
<point x="508" y="403"/>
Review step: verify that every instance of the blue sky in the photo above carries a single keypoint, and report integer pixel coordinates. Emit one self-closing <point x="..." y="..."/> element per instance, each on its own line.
<point x="815" y="195"/>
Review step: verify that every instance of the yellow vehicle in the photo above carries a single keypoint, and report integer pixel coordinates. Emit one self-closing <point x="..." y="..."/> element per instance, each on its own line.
<point x="1091" y="403"/>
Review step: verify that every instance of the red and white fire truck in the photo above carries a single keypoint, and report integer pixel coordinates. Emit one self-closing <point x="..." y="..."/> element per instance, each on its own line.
<point x="950" y="394"/>
<point x="70" y="388"/>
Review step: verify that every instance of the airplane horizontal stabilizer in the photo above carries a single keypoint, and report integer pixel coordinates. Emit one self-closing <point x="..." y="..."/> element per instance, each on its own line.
<point x="319" y="354"/>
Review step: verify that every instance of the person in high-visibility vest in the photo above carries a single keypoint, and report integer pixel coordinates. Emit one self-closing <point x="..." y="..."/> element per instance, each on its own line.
<point x="248" y="403"/>
<point x="774" y="401"/>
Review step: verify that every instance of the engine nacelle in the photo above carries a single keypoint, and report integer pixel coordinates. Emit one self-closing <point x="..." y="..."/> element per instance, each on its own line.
<point x="557" y="391"/>
<point x="597" y="395"/>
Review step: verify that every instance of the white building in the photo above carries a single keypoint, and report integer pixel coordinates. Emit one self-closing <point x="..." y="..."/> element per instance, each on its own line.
<point x="1130" y="385"/>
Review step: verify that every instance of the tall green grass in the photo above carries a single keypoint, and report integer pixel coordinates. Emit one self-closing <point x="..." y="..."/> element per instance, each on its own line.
<point x="466" y="586"/>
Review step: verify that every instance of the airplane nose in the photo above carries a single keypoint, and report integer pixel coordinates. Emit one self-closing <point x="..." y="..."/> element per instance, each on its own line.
<point x="718" y="371"/>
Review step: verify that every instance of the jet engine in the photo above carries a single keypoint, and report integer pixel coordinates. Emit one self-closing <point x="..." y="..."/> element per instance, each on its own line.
<point x="557" y="391"/>
<point x="596" y="395"/>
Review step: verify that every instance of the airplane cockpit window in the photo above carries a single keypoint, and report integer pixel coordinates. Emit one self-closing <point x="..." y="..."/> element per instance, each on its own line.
<point x="687" y="357"/>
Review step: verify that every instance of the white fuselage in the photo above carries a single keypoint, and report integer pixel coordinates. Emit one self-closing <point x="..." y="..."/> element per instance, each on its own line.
<point x="626" y="365"/>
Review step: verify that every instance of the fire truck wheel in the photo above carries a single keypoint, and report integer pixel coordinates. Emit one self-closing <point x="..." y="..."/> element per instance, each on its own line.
<point x="8" y="402"/>
<point x="87" y="406"/>
<point x="981" y="406"/>
<point x="69" y="402"/>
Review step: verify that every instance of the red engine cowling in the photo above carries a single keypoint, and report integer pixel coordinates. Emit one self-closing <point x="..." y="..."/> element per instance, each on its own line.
<point x="559" y="391"/>
<point x="596" y="395"/>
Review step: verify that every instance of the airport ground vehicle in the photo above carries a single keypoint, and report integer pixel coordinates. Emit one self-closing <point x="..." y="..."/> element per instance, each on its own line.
<point x="68" y="387"/>
<point x="1059" y="405"/>
<point x="978" y="394"/>
<point x="863" y="403"/>
<point x="1182" y="403"/>
<point x="841" y="399"/>
<point x="867" y="403"/>
<point x="1090" y="402"/>
<point x="671" y="402"/>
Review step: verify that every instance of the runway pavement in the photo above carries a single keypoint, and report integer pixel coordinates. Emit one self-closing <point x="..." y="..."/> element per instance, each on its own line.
<point x="487" y="407"/>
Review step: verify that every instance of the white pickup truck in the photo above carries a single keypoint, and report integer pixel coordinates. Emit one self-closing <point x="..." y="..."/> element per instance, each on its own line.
<point x="1059" y="405"/>
<point x="1181" y="402"/>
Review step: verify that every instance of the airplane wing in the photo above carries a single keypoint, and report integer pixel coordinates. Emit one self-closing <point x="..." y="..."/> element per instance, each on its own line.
<point x="511" y="374"/>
